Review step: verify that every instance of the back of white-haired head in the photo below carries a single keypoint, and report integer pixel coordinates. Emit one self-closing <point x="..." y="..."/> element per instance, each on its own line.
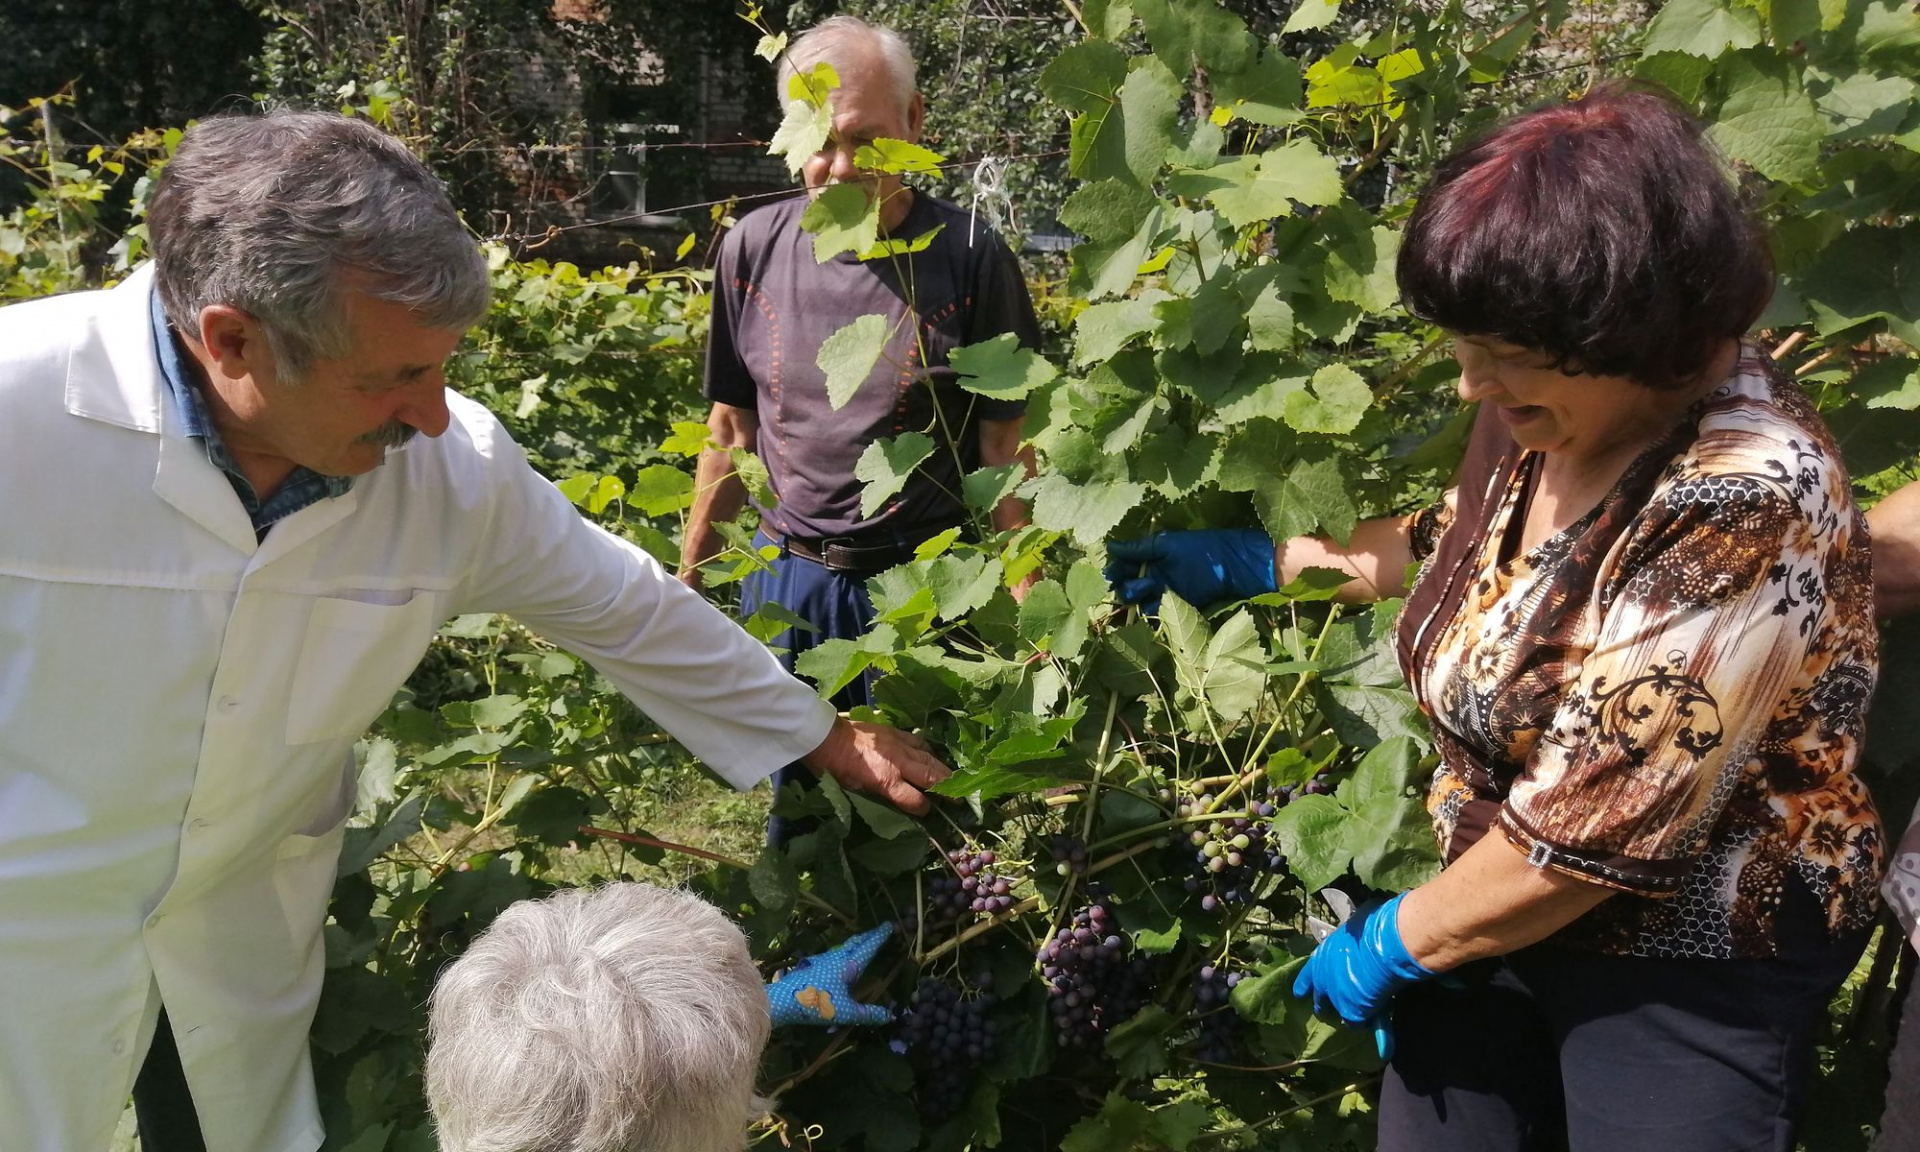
<point x="624" y="1019"/>
<point x="836" y="39"/>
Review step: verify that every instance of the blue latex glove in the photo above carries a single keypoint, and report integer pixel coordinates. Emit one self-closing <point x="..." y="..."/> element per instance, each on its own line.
<point x="819" y="989"/>
<point x="1201" y="567"/>
<point x="1356" y="971"/>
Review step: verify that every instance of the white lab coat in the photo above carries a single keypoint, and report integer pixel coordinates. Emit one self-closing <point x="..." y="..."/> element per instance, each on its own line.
<point x="178" y="707"/>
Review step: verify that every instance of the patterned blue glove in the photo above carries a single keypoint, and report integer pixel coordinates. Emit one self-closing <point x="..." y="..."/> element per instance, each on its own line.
<point x="819" y="989"/>
<point x="1201" y="567"/>
<point x="1357" y="969"/>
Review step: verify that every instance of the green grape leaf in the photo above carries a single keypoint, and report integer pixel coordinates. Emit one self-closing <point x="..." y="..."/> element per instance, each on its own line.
<point x="1001" y="368"/>
<point x="1360" y="260"/>
<point x="1254" y="189"/>
<point x="1390" y="836"/>
<point x="1868" y="273"/>
<point x="1362" y="715"/>
<point x="986" y="487"/>
<point x="774" y="883"/>
<point x="842" y="218"/>
<point x="661" y="490"/>
<point x="1768" y="121"/>
<point x="803" y="131"/>
<point x="1169" y="32"/>
<point x="771" y="619"/>
<point x="1103" y="329"/>
<point x="1101" y="270"/>
<point x="886" y="154"/>
<point x="1045" y="609"/>
<point x="1174" y="462"/>
<point x="1120" y="1123"/>
<point x="1267" y="997"/>
<point x="1141" y="1046"/>
<point x="962" y="584"/>
<point x="1310" y="15"/>
<point x="1490" y="64"/>
<point x="689" y="438"/>
<point x="1108" y="20"/>
<point x="753" y="473"/>
<point x="1085" y="77"/>
<point x="1334" y="405"/>
<point x="1268" y="93"/>
<point x="1107" y="211"/>
<point x="1338" y="79"/>
<point x="849" y="355"/>
<point x="1701" y="28"/>
<point x="1270" y="320"/>
<point x="886" y="466"/>
<point x="1859" y="106"/>
<point x="887" y="823"/>
<point x="1128" y="138"/>
<point x="1678" y="72"/>
<point x="770" y="46"/>
<point x="1313" y="837"/>
<point x="1890" y="383"/>
<point x="1089" y="511"/>
<point x="1319" y="482"/>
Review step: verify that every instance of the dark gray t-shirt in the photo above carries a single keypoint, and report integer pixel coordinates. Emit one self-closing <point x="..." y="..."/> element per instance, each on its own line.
<point x="773" y="305"/>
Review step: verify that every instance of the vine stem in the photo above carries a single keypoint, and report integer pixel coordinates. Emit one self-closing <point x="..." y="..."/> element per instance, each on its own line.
<point x="1302" y="1106"/>
<point x="805" y="897"/>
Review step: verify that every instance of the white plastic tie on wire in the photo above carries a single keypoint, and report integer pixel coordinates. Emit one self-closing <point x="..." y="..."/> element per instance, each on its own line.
<point x="989" y="185"/>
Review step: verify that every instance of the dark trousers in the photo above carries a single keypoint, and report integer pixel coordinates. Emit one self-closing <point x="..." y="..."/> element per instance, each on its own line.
<point x="1551" y="1049"/>
<point x="161" y="1103"/>
<point x="837" y="604"/>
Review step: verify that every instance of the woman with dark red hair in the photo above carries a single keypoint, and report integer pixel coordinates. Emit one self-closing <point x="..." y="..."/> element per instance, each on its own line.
<point x="1643" y="634"/>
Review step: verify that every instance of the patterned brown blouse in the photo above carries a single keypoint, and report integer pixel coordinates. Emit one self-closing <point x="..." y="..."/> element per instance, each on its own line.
<point x="1666" y="698"/>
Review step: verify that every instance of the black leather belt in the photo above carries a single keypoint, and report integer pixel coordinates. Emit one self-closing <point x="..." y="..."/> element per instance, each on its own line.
<point x="846" y="554"/>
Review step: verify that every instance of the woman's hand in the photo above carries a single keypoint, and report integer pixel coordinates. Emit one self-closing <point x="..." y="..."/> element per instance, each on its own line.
<point x="1358" y="968"/>
<point x="1201" y="567"/>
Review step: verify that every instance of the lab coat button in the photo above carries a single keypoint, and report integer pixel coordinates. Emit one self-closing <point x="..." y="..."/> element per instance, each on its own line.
<point x="119" y="1047"/>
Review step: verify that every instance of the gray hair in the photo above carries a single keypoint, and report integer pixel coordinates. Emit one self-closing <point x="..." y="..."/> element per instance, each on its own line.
<point x="624" y="1019"/>
<point x="828" y="41"/>
<point x="275" y="214"/>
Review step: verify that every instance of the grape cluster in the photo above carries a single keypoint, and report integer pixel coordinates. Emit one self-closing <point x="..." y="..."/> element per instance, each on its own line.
<point x="947" y="1036"/>
<point x="1093" y="986"/>
<point x="1231" y="855"/>
<point x="1069" y="855"/>
<point x="970" y="885"/>
<point x="1219" y="1041"/>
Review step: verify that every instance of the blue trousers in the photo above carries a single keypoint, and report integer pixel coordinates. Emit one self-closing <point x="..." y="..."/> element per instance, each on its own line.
<point x="835" y="603"/>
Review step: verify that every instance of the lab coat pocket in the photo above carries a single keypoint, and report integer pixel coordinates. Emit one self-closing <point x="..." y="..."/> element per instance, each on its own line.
<point x="354" y="657"/>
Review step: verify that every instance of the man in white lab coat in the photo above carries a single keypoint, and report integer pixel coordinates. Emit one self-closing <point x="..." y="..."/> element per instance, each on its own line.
<point x="222" y="548"/>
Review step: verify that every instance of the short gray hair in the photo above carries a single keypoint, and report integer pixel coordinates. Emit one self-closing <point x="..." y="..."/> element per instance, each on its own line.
<point x="274" y="214"/>
<point x="624" y="1019"/>
<point x="828" y="41"/>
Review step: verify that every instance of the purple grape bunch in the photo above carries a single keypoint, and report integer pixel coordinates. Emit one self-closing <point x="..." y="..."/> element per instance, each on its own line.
<point x="948" y="1036"/>
<point x="1231" y="855"/>
<point x="1219" y="1039"/>
<point x="1093" y="985"/>
<point x="968" y="884"/>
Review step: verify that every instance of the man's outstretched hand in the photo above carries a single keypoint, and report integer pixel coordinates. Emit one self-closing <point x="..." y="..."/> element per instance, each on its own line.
<point x="880" y="761"/>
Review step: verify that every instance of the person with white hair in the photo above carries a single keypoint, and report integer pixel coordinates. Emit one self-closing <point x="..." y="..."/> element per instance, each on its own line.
<point x="240" y="501"/>
<point x="774" y="305"/>
<point x="627" y="1018"/>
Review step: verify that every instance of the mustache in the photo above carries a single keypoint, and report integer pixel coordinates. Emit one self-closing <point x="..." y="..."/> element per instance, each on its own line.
<point x="392" y="434"/>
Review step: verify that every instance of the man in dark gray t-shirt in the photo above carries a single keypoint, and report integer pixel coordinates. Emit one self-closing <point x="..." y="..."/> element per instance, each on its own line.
<point x="773" y="306"/>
